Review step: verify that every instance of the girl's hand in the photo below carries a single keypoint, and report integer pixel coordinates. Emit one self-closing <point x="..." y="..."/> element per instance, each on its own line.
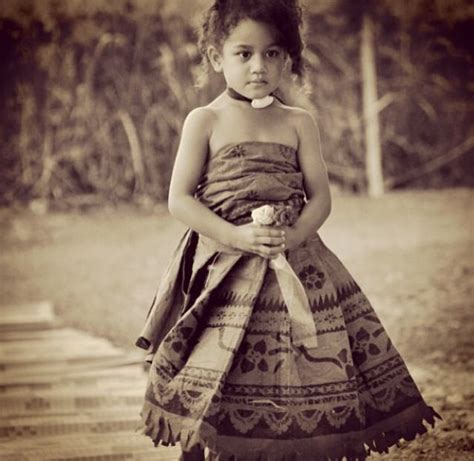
<point x="292" y="237"/>
<point x="266" y="241"/>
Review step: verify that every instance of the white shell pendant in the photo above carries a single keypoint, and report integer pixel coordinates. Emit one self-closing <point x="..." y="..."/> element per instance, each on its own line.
<point x="261" y="103"/>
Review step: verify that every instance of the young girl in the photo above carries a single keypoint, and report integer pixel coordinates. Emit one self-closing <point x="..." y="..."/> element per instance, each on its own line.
<point x="229" y="370"/>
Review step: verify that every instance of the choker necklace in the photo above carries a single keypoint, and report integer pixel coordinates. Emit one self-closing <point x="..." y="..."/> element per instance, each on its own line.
<point x="258" y="103"/>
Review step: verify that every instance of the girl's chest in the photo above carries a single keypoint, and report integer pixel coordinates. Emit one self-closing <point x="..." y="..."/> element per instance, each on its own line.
<point x="255" y="126"/>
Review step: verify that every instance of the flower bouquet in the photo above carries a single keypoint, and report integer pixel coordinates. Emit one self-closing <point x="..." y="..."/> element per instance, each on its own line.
<point x="279" y="216"/>
<point x="303" y="329"/>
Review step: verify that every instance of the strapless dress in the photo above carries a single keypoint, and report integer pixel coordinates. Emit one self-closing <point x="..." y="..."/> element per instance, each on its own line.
<point x="224" y="373"/>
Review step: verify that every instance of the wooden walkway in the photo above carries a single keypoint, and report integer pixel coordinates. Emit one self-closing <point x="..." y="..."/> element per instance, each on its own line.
<point x="68" y="395"/>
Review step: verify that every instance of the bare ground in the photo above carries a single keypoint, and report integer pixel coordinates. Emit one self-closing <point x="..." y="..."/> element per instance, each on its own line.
<point x="412" y="253"/>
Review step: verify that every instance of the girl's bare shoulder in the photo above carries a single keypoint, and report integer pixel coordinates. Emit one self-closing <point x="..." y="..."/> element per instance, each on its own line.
<point x="200" y="115"/>
<point x="198" y="124"/>
<point x="295" y="114"/>
<point x="208" y="114"/>
<point x="299" y="119"/>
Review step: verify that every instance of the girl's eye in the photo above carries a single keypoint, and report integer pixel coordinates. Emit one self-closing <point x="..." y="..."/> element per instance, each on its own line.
<point x="244" y="54"/>
<point x="273" y="53"/>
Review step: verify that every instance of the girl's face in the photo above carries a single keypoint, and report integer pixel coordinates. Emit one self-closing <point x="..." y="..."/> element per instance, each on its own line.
<point x="250" y="59"/>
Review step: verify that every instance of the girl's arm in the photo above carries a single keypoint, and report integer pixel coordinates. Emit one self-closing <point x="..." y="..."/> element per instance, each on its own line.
<point x="316" y="182"/>
<point x="187" y="171"/>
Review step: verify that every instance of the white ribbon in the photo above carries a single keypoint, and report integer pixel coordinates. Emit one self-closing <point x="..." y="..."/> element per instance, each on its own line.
<point x="303" y="329"/>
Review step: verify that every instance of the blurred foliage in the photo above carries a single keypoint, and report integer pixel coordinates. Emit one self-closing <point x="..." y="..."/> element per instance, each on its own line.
<point x="425" y="74"/>
<point x="94" y="93"/>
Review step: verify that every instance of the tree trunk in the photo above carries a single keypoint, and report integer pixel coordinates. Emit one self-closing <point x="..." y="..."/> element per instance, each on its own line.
<point x="135" y="150"/>
<point x="373" y="156"/>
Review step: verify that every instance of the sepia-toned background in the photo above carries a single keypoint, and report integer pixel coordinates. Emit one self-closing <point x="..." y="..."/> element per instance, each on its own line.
<point x="94" y="93"/>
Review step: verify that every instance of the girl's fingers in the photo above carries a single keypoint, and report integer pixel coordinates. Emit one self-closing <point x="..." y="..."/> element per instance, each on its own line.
<point x="269" y="232"/>
<point x="273" y="241"/>
<point x="269" y="252"/>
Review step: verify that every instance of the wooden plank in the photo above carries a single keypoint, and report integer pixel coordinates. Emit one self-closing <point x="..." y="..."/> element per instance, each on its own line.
<point x="56" y="364"/>
<point x="12" y="361"/>
<point x="95" y="454"/>
<point x="57" y="333"/>
<point x="81" y="455"/>
<point x="114" y="446"/>
<point x="45" y="347"/>
<point x="88" y="390"/>
<point x="119" y="438"/>
<point x="124" y="419"/>
<point x="14" y="346"/>
<point x="44" y="372"/>
<point x="68" y="404"/>
<point x="27" y="316"/>
<point x="91" y="453"/>
<point x="136" y="387"/>
<point x="112" y="381"/>
<point x="42" y="311"/>
<point x="66" y="395"/>
<point x="28" y="326"/>
<point x="70" y="377"/>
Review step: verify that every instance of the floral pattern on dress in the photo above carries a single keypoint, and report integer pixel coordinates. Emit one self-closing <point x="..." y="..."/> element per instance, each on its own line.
<point x="254" y="356"/>
<point x="362" y="346"/>
<point x="312" y="278"/>
<point x="258" y="356"/>
<point x="178" y="338"/>
<point x="237" y="151"/>
<point x="343" y="356"/>
<point x="288" y="153"/>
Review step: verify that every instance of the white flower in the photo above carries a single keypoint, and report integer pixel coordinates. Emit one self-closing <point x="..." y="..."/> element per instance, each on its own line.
<point x="264" y="215"/>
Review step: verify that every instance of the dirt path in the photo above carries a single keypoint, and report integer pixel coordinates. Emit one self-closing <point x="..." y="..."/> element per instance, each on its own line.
<point x="411" y="252"/>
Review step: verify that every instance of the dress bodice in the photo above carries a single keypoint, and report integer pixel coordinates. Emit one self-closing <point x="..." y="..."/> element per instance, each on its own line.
<point x="240" y="177"/>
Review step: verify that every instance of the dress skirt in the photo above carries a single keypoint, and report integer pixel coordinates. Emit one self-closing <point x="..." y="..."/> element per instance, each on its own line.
<point x="226" y="375"/>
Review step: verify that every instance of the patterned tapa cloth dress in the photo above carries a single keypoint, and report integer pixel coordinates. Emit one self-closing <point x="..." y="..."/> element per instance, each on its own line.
<point x="224" y="372"/>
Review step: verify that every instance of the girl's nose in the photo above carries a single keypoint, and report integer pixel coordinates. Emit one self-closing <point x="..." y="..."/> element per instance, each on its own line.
<point x="258" y="64"/>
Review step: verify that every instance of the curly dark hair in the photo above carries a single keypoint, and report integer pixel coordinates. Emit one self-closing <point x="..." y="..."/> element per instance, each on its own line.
<point x="285" y="16"/>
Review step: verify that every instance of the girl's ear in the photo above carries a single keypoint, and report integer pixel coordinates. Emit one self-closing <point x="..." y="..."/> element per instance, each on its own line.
<point x="287" y="66"/>
<point x="286" y="71"/>
<point x="215" y="58"/>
